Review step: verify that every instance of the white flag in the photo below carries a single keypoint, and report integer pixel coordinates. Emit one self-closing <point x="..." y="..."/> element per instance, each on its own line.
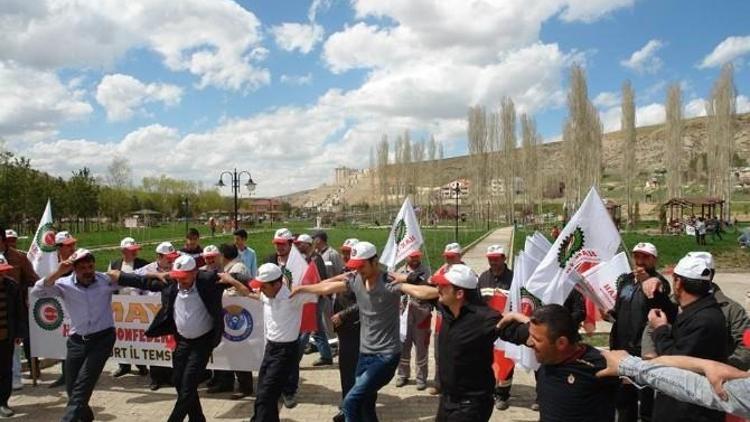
<point x="42" y="252"/>
<point x="521" y="354"/>
<point x="405" y="237"/>
<point x="589" y="238"/>
<point x="601" y="281"/>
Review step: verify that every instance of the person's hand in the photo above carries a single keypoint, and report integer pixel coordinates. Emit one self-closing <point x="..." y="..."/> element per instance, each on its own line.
<point x="342" y="276"/>
<point x="640" y="274"/>
<point x="336" y="320"/>
<point x="114" y="275"/>
<point x="65" y="267"/>
<point x="512" y="317"/>
<point x="613" y="357"/>
<point x="225" y="278"/>
<point x="718" y="373"/>
<point x="656" y="318"/>
<point x="650" y="286"/>
<point x="296" y="290"/>
<point x="398" y="277"/>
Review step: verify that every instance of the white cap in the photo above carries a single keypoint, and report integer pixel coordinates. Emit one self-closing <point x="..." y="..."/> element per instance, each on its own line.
<point x="4" y="264"/>
<point x="129" y="243"/>
<point x="705" y="256"/>
<point x="495" y="250"/>
<point x="349" y="244"/>
<point x="304" y="238"/>
<point x="647" y="248"/>
<point x="693" y="268"/>
<point x="452" y="249"/>
<point x="361" y="252"/>
<point x="459" y="275"/>
<point x="166" y="248"/>
<point x="267" y="273"/>
<point x="283" y="235"/>
<point x="64" y="238"/>
<point x="181" y="266"/>
<point x="79" y="254"/>
<point x="11" y="233"/>
<point x="211" y="250"/>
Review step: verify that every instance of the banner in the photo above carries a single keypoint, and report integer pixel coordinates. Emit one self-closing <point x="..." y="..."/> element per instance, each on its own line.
<point x="405" y="237"/>
<point x="589" y="238"/>
<point x="241" y="349"/>
<point x="42" y="252"/>
<point x="600" y="282"/>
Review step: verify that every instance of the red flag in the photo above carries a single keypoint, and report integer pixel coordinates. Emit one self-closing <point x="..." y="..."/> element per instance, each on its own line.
<point x="501" y="365"/>
<point x="309" y="322"/>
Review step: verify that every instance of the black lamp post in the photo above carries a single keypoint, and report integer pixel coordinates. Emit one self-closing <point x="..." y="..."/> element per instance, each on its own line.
<point x="186" y="202"/>
<point x="236" y="176"/>
<point x="456" y="190"/>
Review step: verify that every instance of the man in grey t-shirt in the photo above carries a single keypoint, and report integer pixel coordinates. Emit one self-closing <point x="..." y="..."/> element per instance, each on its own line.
<point x="380" y="346"/>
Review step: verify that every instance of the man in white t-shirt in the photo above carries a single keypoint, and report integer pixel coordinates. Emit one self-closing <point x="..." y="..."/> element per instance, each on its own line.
<point x="282" y="316"/>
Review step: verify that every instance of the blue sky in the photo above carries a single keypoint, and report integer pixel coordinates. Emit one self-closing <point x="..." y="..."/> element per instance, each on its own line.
<point x="297" y="88"/>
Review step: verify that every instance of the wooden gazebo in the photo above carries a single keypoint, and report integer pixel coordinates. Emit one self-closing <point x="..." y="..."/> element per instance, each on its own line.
<point x="708" y="206"/>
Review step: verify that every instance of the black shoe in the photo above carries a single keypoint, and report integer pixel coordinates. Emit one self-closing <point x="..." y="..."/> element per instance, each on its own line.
<point x="57" y="383"/>
<point x="290" y="400"/>
<point x="220" y="389"/>
<point x="339" y="417"/>
<point x="6" y="411"/>
<point x="142" y="371"/>
<point x="323" y="362"/>
<point x="240" y="395"/>
<point x="120" y="372"/>
<point x="421" y="386"/>
<point x="501" y="404"/>
<point x="154" y="386"/>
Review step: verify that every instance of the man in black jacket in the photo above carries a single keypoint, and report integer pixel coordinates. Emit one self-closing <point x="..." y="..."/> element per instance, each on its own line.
<point x="12" y="325"/>
<point x="129" y="262"/>
<point x="630" y="316"/>
<point x="699" y="330"/>
<point x="191" y="312"/>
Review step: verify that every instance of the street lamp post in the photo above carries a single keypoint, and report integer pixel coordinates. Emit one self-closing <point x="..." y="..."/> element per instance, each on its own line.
<point x="235" y="180"/>
<point x="186" y="202"/>
<point x="456" y="190"/>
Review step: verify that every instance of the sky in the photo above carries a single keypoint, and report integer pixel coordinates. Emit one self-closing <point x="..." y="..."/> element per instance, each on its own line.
<point x="289" y="90"/>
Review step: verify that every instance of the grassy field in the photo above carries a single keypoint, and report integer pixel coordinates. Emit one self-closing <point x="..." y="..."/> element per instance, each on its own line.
<point x="671" y="248"/>
<point x="105" y="243"/>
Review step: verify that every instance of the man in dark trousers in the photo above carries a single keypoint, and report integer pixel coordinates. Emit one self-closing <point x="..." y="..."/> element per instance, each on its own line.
<point x="498" y="276"/>
<point x="699" y="330"/>
<point x="88" y="299"/>
<point x="12" y="326"/>
<point x="191" y="311"/>
<point x="129" y="262"/>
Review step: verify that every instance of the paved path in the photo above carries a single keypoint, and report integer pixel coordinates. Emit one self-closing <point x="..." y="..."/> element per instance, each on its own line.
<point x="127" y="399"/>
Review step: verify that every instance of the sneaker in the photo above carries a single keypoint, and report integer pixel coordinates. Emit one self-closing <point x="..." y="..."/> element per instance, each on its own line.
<point x="535" y="406"/>
<point x="310" y="348"/>
<point x="120" y="372"/>
<point x="421" y="386"/>
<point x="433" y="391"/>
<point x="501" y="404"/>
<point x="290" y="400"/>
<point x="401" y="381"/>
<point x="6" y="411"/>
<point x="323" y="362"/>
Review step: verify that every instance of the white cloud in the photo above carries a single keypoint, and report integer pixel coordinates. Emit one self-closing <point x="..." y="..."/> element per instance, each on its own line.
<point x="743" y="104"/>
<point x="592" y="10"/>
<point x="645" y="60"/>
<point x="292" y="36"/>
<point x="695" y="108"/>
<point x="34" y="103"/>
<point x="123" y="95"/>
<point x="650" y="114"/>
<point x="296" y="79"/>
<point x="606" y="99"/>
<point x="218" y="50"/>
<point x="727" y="51"/>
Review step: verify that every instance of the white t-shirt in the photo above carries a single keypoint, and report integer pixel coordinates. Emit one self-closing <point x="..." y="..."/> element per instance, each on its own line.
<point x="282" y="315"/>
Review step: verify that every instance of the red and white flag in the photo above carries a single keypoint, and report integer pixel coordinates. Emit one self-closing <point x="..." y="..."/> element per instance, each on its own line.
<point x="42" y="252"/>
<point x="301" y="273"/>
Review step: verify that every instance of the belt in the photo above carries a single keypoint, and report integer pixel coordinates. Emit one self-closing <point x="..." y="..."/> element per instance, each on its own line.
<point x="92" y="336"/>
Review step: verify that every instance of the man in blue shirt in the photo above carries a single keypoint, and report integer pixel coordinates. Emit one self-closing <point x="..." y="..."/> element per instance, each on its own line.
<point x="247" y="255"/>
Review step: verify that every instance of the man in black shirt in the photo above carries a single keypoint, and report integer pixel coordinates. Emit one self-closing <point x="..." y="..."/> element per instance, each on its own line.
<point x="193" y="247"/>
<point x="498" y="276"/>
<point x="630" y="316"/>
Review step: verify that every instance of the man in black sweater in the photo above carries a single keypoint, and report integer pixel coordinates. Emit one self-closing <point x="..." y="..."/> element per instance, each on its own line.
<point x="699" y="330"/>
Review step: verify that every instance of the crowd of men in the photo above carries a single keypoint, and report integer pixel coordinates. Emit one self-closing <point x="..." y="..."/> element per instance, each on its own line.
<point x="679" y="349"/>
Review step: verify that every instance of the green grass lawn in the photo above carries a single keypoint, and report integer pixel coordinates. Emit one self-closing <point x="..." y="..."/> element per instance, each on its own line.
<point x="260" y="239"/>
<point x="671" y="248"/>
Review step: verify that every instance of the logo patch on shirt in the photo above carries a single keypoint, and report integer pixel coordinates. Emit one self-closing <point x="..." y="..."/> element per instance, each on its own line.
<point x="571" y="379"/>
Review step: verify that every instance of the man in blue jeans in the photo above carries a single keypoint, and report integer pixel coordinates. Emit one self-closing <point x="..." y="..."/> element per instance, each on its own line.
<point x="380" y="346"/>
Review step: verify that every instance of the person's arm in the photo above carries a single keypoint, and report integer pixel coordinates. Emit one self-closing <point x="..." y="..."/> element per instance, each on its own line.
<point x="254" y="265"/>
<point x="419" y="292"/>
<point x="28" y="275"/>
<point x="738" y="323"/>
<point x="228" y="281"/>
<point x="150" y="282"/>
<point x="724" y="389"/>
<point x="664" y="339"/>
<point x="46" y="286"/>
<point x="324" y="288"/>
<point x="514" y="328"/>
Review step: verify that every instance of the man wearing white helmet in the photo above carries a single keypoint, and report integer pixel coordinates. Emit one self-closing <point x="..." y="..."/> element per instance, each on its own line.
<point x="699" y="330"/>
<point x="380" y="346"/>
<point x="128" y="262"/>
<point x="191" y="311"/>
<point x="737" y="319"/>
<point x="498" y="276"/>
<point x="638" y="292"/>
